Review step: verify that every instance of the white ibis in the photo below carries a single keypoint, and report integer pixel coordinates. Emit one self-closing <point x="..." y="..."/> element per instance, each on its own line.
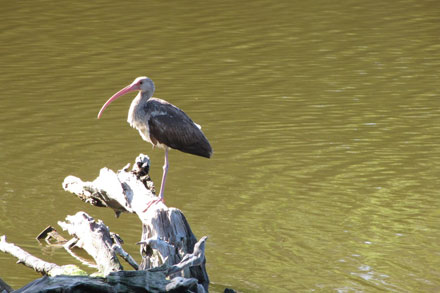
<point x="162" y="124"/>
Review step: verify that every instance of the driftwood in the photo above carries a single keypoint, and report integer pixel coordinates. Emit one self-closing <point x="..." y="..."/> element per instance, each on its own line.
<point x="36" y="263"/>
<point x="172" y="259"/>
<point x="94" y="237"/>
<point x="123" y="281"/>
<point x="70" y="278"/>
<point x="166" y="235"/>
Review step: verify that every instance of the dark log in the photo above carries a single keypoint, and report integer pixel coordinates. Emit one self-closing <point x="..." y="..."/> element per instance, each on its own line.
<point x="4" y="287"/>
<point x="123" y="281"/>
<point x="51" y="236"/>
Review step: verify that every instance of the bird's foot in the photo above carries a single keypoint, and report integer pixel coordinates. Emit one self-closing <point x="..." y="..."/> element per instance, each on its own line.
<point x="154" y="201"/>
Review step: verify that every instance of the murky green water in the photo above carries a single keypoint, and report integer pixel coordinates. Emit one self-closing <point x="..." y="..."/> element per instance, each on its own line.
<point x="324" y="117"/>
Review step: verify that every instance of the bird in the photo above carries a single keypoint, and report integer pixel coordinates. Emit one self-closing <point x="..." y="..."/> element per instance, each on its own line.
<point x="162" y="124"/>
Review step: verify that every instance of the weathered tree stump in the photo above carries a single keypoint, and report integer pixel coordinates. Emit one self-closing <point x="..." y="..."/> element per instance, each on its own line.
<point x="166" y="234"/>
<point x="172" y="259"/>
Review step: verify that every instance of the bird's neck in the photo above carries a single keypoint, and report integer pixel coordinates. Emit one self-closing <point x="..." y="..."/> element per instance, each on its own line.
<point x="137" y="107"/>
<point x="145" y="95"/>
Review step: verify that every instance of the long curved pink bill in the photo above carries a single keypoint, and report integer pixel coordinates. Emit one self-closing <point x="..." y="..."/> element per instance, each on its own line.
<point x="122" y="92"/>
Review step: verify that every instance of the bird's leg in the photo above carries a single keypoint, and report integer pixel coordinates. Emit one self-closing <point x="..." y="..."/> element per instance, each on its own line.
<point x="162" y="185"/>
<point x="164" y="176"/>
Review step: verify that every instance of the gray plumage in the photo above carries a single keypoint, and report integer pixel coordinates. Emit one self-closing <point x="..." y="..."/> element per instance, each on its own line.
<point x="164" y="125"/>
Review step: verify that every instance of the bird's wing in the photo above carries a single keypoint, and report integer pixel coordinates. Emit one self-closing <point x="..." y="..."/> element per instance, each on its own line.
<point x="171" y="126"/>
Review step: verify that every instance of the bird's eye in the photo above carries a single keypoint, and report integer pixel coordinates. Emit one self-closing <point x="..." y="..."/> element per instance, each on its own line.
<point x="141" y="82"/>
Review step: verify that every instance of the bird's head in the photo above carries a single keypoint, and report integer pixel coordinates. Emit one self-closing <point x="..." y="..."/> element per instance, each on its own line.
<point x="143" y="84"/>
